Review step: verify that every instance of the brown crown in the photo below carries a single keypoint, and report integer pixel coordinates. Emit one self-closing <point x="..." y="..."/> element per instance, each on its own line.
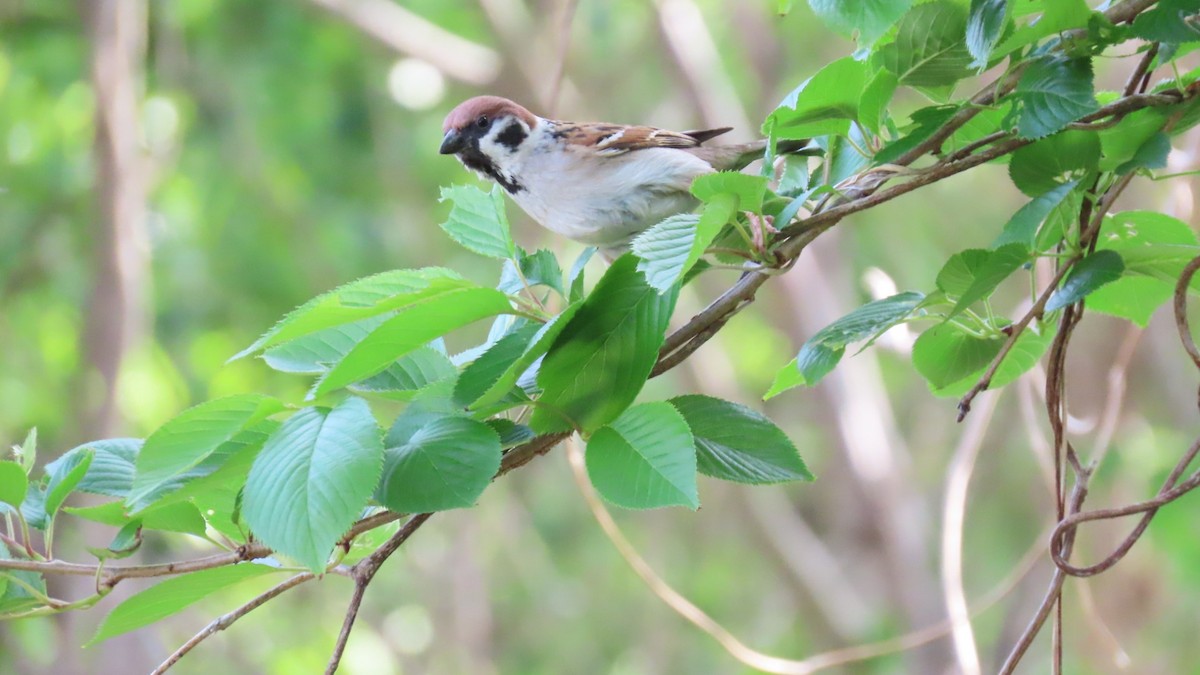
<point x="492" y="106"/>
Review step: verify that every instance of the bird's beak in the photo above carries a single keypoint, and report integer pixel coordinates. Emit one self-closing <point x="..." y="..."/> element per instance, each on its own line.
<point x="451" y="143"/>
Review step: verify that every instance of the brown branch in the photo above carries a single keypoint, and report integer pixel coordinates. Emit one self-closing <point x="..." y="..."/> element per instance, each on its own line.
<point x="362" y="573"/>
<point x="1167" y="493"/>
<point x="1052" y="593"/>
<point x="1180" y="306"/>
<point x="1138" y="76"/>
<point x="226" y="620"/>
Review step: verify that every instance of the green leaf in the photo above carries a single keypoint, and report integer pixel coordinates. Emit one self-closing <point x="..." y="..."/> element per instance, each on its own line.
<point x="1040" y="167"/>
<point x="738" y="444"/>
<point x="172" y="596"/>
<point x="747" y="189"/>
<point x="313" y="353"/>
<point x="1025" y="353"/>
<point x="15" y="597"/>
<point x="815" y="360"/>
<point x="1150" y="155"/>
<point x="180" y="516"/>
<point x="409" y="330"/>
<point x="645" y="459"/>
<point x="576" y="277"/>
<point x="1134" y="298"/>
<point x="429" y="405"/>
<point x="923" y="123"/>
<point x="409" y="374"/>
<point x="446" y="464"/>
<point x="13" y="483"/>
<point x="944" y="354"/>
<point x="360" y="299"/>
<point x="478" y="378"/>
<point x="1022" y="228"/>
<point x="1087" y="275"/>
<point x="111" y="470"/>
<point x="127" y="540"/>
<point x="599" y="362"/>
<point x="1170" y="21"/>
<point x="819" y="355"/>
<point x="1054" y="91"/>
<point x="511" y="434"/>
<point x="478" y="220"/>
<point x="218" y="482"/>
<point x="33" y="509"/>
<point x="1057" y="16"/>
<point x="312" y="479"/>
<point x="823" y="104"/>
<point x="788" y="377"/>
<point x="930" y="46"/>
<point x="868" y="19"/>
<point x="1121" y="142"/>
<point x="671" y="248"/>
<point x="180" y="445"/>
<point x="1062" y="219"/>
<point x="872" y="106"/>
<point x="538" y="346"/>
<point x="539" y="268"/>
<point x="666" y="249"/>
<point x="985" y="272"/>
<point x="985" y="25"/>
<point x="64" y="478"/>
<point x="1151" y="244"/>
<point x="960" y="271"/>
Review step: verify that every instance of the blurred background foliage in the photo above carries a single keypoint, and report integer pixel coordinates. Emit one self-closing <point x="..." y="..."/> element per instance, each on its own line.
<point x="283" y="148"/>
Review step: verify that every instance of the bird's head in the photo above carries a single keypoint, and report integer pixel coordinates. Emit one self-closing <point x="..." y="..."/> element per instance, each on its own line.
<point x="484" y="121"/>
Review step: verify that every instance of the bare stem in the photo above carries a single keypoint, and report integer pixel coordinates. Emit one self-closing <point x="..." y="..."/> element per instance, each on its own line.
<point x="226" y="620"/>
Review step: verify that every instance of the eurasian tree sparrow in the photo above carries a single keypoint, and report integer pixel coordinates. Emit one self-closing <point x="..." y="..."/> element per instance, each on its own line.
<point x="599" y="184"/>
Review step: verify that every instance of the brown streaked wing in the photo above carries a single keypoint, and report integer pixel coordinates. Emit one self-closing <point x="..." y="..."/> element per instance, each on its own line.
<point x="615" y="139"/>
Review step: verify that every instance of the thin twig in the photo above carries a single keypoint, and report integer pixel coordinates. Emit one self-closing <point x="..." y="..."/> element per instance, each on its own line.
<point x="226" y="620"/>
<point x="1141" y="71"/>
<point x="1167" y="494"/>
<point x="738" y="650"/>
<point x="1180" y="306"/>
<point x="362" y="573"/>
<point x="1052" y="593"/>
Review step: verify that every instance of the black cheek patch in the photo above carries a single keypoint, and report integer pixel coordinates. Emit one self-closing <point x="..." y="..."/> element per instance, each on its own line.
<point x="512" y="136"/>
<point x="475" y="160"/>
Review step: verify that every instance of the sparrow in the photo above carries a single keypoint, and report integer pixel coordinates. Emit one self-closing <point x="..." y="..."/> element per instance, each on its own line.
<point x="596" y="183"/>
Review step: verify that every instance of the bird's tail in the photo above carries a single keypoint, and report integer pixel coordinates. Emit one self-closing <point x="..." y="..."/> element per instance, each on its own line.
<point x="793" y="147"/>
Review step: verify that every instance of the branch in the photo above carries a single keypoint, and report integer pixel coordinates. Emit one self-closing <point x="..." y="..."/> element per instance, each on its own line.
<point x="226" y="620"/>
<point x="1052" y="593"/>
<point x="362" y="573"/>
<point x="1169" y="491"/>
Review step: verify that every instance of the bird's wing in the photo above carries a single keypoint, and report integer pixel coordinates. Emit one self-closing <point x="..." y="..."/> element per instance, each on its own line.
<point x="615" y="139"/>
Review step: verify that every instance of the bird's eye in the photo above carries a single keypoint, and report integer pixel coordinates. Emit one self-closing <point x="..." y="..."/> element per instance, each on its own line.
<point x="482" y="122"/>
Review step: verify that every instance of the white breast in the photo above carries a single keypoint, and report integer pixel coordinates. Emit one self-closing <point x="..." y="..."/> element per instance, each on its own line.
<point x="605" y="201"/>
